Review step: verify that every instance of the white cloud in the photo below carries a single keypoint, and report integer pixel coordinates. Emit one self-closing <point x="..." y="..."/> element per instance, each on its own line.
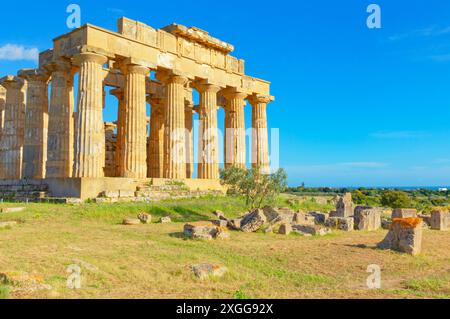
<point x="399" y="134"/>
<point x="431" y="31"/>
<point x="14" y="52"/>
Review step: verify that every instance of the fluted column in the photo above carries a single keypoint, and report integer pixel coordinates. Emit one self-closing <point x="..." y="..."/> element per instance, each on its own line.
<point x="134" y="139"/>
<point x="174" y="126"/>
<point x="12" y="139"/>
<point x="36" y="124"/>
<point x="156" y="144"/>
<point x="118" y="93"/>
<point x="60" y="121"/>
<point x="89" y="128"/>
<point x="2" y="107"/>
<point x="208" y="150"/>
<point x="235" y="152"/>
<point x="260" y="135"/>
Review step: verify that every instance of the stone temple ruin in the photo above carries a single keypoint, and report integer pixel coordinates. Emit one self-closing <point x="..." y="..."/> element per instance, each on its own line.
<point x="49" y="143"/>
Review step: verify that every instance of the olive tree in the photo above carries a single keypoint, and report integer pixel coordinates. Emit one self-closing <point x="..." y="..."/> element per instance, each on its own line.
<point x="258" y="189"/>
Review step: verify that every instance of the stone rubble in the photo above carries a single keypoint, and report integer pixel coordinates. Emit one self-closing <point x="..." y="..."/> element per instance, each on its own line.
<point x="405" y="235"/>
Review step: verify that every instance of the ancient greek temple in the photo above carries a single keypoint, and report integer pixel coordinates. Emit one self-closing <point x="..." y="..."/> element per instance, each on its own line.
<point x="48" y="136"/>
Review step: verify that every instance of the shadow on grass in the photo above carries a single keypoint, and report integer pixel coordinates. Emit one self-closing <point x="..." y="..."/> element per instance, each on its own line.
<point x="179" y="235"/>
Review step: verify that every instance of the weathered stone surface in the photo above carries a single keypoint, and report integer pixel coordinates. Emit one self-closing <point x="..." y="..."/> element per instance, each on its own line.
<point x="315" y="230"/>
<point x="367" y="218"/>
<point x="440" y="220"/>
<point x="166" y="220"/>
<point x="235" y="223"/>
<point x="253" y="221"/>
<point x="404" y="213"/>
<point x="219" y="214"/>
<point x="205" y="230"/>
<point x="145" y="218"/>
<point x="12" y="209"/>
<point x="285" y="229"/>
<point x="220" y="223"/>
<point x="341" y="223"/>
<point x="386" y="224"/>
<point x="131" y="221"/>
<point x="204" y="271"/>
<point x="302" y="219"/>
<point x="345" y="207"/>
<point x="320" y="218"/>
<point x="24" y="282"/>
<point x="7" y="224"/>
<point x="272" y="213"/>
<point x="405" y="235"/>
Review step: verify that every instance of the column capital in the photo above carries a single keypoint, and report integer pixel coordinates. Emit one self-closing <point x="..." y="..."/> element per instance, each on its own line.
<point x="59" y="65"/>
<point x="166" y="77"/>
<point x="233" y="93"/>
<point x="89" y="57"/>
<point x="12" y="82"/>
<point x="259" y="99"/>
<point x="136" y="69"/>
<point x="34" y="75"/>
<point x="206" y="87"/>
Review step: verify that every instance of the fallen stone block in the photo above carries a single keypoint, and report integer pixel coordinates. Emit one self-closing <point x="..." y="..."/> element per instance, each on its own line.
<point x="235" y="223"/>
<point x="23" y="282"/>
<point x="405" y="236"/>
<point x="12" y="209"/>
<point x="319" y="218"/>
<point x="220" y="223"/>
<point x="274" y="213"/>
<point x="302" y="219"/>
<point x="204" y="271"/>
<point x="440" y="220"/>
<point x="131" y="221"/>
<point x="426" y="220"/>
<point x="166" y="220"/>
<point x="367" y="218"/>
<point x="404" y="213"/>
<point x="341" y="223"/>
<point x="7" y="224"/>
<point x="205" y="230"/>
<point x="253" y="221"/>
<point x="219" y="214"/>
<point x="315" y="230"/>
<point x="285" y="229"/>
<point x="145" y="218"/>
<point x="386" y="224"/>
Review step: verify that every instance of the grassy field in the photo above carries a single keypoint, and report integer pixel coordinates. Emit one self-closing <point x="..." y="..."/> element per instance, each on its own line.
<point x="153" y="261"/>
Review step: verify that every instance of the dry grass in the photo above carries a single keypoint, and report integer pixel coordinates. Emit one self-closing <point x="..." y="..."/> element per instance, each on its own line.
<point x="153" y="261"/>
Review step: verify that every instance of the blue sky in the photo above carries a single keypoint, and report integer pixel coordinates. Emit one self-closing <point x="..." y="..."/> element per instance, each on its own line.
<point x="355" y="106"/>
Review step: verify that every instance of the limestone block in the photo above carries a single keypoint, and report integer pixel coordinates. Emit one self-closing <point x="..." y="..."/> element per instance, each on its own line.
<point x="345" y="207"/>
<point x="285" y="229"/>
<point x="145" y="218"/>
<point x="253" y="221"/>
<point x="341" y="223"/>
<point x="315" y="230"/>
<point x="440" y="220"/>
<point x="204" y="271"/>
<point x="367" y="218"/>
<point x="203" y="230"/>
<point x="405" y="236"/>
<point x="320" y="218"/>
<point x="166" y="220"/>
<point x="404" y="213"/>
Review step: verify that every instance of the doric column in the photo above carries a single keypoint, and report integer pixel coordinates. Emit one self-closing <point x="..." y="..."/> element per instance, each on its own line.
<point x="134" y="139"/>
<point x="155" y="163"/>
<point x="89" y="126"/>
<point x="260" y="136"/>
<point x="174" y="126"/>
<point x="2" y="107"/>
<point x="235" y="152"/>
<point x="110" y="150"/>
<point x="118" y="93"/>
<point x="12" y="139"/>
<point x="60" y="121"/>
<point x="188" y="120"/>
<point x="208" y="150"/>
<point x="36" y="124"/>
